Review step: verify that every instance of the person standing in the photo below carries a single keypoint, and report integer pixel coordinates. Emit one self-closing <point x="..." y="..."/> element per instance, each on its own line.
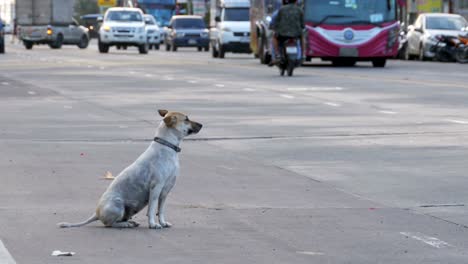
<point x="14" y="34"/>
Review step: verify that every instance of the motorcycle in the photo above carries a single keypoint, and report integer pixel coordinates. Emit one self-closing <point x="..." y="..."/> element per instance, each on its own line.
<point x="461" y="54"/>
<point x="290" y="56"/>
<point x="445" y="48"/>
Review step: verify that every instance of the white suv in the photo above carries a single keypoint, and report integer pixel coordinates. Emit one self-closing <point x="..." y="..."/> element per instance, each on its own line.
<point x="123" y="27"/>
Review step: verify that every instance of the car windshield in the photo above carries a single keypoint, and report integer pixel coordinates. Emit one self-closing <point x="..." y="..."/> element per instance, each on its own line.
<point x="124" y="16"/>
<point x="349" y="12"/>
<point x="445" y="23"/>
<point x="189" y="23"/>
<point x="236" y="14"/>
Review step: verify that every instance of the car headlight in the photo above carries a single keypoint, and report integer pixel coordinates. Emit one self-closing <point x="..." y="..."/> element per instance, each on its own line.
<point x="204" y="34"/>
<point x="180" y="34"/>
<point x="106" y="28"/>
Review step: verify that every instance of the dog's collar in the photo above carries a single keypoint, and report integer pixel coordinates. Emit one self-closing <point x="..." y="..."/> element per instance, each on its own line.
<point x="167" y="144"/>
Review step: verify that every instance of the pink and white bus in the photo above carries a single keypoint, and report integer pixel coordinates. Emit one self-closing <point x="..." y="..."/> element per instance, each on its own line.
<point x="347" y="31"/>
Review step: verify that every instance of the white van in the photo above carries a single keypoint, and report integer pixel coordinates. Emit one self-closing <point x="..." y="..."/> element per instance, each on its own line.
<point x="229" y="27"/>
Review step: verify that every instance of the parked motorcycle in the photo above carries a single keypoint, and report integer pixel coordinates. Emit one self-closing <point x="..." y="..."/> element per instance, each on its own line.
<point x="451" y="48"/>
<point x="445" y="48"/>
<point x="461" y="54"/>
<point x="290" y="56"/>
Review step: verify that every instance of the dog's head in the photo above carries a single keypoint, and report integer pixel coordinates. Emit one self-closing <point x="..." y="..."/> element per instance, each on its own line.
<point x="180" y="122"/>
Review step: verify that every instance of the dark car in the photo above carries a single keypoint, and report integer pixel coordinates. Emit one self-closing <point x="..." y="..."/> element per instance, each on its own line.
<point x="90" y="21"/>
<point x="187" y="31"/>
<point x="2" y="36"/>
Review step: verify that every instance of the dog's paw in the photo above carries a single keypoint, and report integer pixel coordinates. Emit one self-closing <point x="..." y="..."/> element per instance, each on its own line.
<point x="133" y="223"/>
<point x="155" y="226"/>
<point x="165" y="224"/>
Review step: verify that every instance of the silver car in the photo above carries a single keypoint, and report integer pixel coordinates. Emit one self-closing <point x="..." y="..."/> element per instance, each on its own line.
<point x="421" y="35"/>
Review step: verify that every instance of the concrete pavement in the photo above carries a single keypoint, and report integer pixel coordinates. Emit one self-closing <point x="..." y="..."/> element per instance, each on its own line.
<point x="335" y="165"/>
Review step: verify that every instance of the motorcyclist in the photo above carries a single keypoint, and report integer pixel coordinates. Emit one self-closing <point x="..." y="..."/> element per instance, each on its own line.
<point x="288" y="24"/>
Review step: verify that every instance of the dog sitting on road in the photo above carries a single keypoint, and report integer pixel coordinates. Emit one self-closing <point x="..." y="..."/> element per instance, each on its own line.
<point x="148" y="180"/>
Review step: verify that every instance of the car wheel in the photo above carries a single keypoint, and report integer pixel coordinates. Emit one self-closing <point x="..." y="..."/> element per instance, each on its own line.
<point x="207" y="48"/>
<point x="150" y="47"/>
<point x="84" y="41"/>
<point x="199" y="49"/>
<point x="28" y="45"/>
<point x="261" y="53"/>
<point x="103" y="48"/>
<point x="57" y="44"/>
<point x="2" y="45"/>
<point x="143" y="49"/>
<point x="156" y="46"/>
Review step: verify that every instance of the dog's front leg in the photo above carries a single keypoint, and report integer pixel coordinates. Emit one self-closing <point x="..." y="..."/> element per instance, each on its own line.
<point x="153" y="205"/>
<point x="162" y="209"/>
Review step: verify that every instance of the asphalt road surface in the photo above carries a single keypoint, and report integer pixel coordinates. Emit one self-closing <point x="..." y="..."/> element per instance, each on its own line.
<point x="334" y="165"/>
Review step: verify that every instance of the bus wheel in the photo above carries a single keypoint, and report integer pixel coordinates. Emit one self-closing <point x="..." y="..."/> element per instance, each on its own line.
<point x="379" y="63"/>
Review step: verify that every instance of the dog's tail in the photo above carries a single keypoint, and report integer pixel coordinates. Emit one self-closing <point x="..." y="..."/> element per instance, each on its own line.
<point x="90" y="220"/>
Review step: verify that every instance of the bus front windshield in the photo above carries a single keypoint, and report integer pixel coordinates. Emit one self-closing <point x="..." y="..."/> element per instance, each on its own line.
<point x="349" y="12"/>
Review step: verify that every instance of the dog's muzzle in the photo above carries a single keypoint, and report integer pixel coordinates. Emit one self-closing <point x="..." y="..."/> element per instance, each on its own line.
<point x="196" y="127"/>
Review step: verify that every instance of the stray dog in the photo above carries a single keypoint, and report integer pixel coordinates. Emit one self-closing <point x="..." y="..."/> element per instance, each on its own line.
<point x="148" y="180"/>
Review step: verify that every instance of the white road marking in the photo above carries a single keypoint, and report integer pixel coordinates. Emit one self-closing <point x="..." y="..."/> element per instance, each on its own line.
<point x="102" y="68"/>
<point x="431" y="241"/>
<point x="287" y="96"/>
<point x="31" y="93"/>
<point x="310" y="253"/>
<point x="67" y="106"/>
<point x="332" y="104"/>
<point x="5" y="83"/>
<point x="388" y="112"/>
<point x="219" y="85"/>
<point x="148" y="75"/>
<point x="249" y="90"/>
<point x="303" y="89"/>
<point x="192" y="81"/>
<point x="168" y="78"/>
<point x="5" y="257"/>
<point x="463" y="122"/>
<point x="132" y="72"/>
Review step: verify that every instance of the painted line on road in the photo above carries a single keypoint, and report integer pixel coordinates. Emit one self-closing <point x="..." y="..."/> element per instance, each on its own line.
<point x="287" y="96"/>
<point x="463" y="122"/>
<point x="219" y="85"/>
<point x="332" y="104"/>
<point x="5" y="83"/>
<point x="192" y="81"/>
<point x="249" y="89"/>
<point x="314" y="89"/>
<point x="310" y="253"/>
<point x="388" y="112"/>
<point x="431" y="241"/>
<point x="5" y="256"/>
<point x="149" y="75"/>
<point x="32" y="93"/>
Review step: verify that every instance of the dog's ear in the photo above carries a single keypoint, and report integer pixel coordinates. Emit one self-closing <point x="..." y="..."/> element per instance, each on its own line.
<point x="170" y="121"/>
<point x="162" y="112"/>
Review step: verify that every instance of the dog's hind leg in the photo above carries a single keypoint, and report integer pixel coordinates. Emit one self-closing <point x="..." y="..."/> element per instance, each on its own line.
<point x="128" y="224"/>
